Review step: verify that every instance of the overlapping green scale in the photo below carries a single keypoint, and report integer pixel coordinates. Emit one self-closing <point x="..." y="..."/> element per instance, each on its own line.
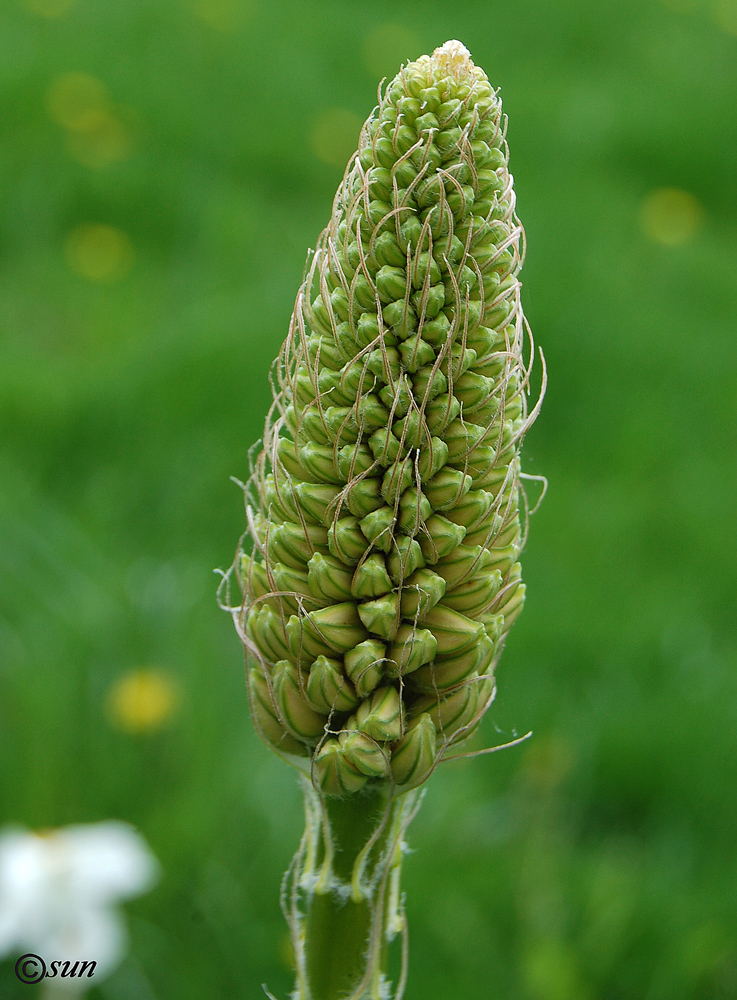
<point x="384" y="525"/>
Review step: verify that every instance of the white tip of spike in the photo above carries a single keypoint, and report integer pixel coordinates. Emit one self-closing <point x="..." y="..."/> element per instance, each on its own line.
<point x="453" y="56"/>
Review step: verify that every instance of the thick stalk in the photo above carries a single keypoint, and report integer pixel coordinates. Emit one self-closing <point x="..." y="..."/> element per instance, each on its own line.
<point x="345" y="906"/>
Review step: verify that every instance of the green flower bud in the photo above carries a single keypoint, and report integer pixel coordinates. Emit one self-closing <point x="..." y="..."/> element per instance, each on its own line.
<point x="450" y="671"/>
<point x="412" y="647"/>
<point x="365" y="665"/>
<point x="385" y="446"/>
<point x="328" y="690"/>
<point x="440" y="412"/>
<point x="333" y="773"/>
<point x="371" y="578"/>
<point x="363" y="752"/>
<point x="416" y="353"/>
<point x="414" y="755"/>
<point x="339" y="626"/>
<point x="446" y="488"/>
<point x="457" y="362"/>
<point x="397" y="398"/>
<point x="472" y="510"/>
<point x="432" y="459"/>
<point x="381" y="715"/>
<point x="414" y="509"/>
<point x="266" y="720"/>
<point x="475" y="594"/>
<point x="278" y="500"/>
<point x="397" y="478"/>
<point x="405" y="558"/>
<point x="428" y="383"/>
<point x="439" y="538"/>
<point x="318" y="464"/>
<point x="265" y="629"/>
<point x="378" y="528"/>
<point x="340" y="424"/>
<point x="346" y="540"/>
<point x="295" y="544"/>
<point x="420" y="592"/>
<point x="364" y="497"/>
<point x="329" y="579"/>
<point x="317" y="502"/>
<point x="452" y="630"/>
<point x="295" y="714"/>
<point x="381" y="616"/>
<point x="372" y="413"/>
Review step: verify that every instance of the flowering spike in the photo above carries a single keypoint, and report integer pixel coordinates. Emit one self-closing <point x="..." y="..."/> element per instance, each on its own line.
<point x="385" y="502"/>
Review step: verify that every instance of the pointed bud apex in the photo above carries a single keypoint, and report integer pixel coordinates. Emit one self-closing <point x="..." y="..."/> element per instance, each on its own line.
<point x="346" y="541"/>
<point x="317" y="502"/>
<point x="265" y="629"/>
<point x="365" y="665"/>
<point x="365" y="497"/>
<point x="453" y="631"/>
<point x="363" y="752"/>
<point x="404" y="559"/>
<point x="380" y="716"/>
<point x="428" y="383"/>
<point x="378" y="528"/>
<point x="416" y="353"/>
<point x="318" y="462"/>
<point x="371" y="578"/>
<point x="420" y="593"/>
<point x="414" y="756"/>
<point x="328" y="690"/>
<point x="340" y="422"/>
<point x="412" y="647"/>
<point x="333" y="773"/>
<point x="472" y="510"/>
<point x="264" y="713"/>
<point x="291" y="582"/>
<point x="372" y="413"/>
<point x="381" y="616"/>
<point x="414" y="508"/>
<point x="442" y="411"/>
<point x="295" y="544"/>
<point x="299" y="719"/>
<point x="397" y="479"/>
<point x="439" y="538"/>
<point x="289" y="459"/>
<point x="385" y="446"/>
<point x="354" y="460"/>
<point x="446" y="488"/>
<point x="449" y="671"/>
<point x="432" y="459"/>
<point x="475" y="594"/>
<point x="328" y="577"/>
<point x="473" y="391"/>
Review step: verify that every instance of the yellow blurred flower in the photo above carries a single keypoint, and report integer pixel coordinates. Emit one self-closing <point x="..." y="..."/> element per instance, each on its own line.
<point x="50" y="8"/>
<point x="671" y="216"/>
<point x="224" y="15"/>
<point x="99" y="253"/>
<point x="81" y="104"/>
<point x="142" y="701"/>
<point x="388" y="46"/>
<point x="334" y="136"/>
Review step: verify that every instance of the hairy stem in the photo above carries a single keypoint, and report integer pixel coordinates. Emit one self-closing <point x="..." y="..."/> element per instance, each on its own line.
<point x="345" y="905"/>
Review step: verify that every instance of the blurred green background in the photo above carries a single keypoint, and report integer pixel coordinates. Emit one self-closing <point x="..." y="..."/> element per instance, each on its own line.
<point x="164" y="167"/>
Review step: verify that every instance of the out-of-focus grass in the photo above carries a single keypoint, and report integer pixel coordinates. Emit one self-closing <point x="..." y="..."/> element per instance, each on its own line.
<point x="152" y="237"/>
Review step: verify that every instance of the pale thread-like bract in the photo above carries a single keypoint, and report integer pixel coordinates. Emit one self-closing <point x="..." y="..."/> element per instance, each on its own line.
<point x="379" y="568"/>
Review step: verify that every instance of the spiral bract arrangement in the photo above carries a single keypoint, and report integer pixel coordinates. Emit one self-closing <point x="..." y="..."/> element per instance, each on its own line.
<point x="384" y="514"/>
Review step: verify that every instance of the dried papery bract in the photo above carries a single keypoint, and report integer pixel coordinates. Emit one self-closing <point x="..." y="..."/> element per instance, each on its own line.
<point x="385" y="514"/>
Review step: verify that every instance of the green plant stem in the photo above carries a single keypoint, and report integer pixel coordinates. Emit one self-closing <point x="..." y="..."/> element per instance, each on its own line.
<point x="346" y="906"/>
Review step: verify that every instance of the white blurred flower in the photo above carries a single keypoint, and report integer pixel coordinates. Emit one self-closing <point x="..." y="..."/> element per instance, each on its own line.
<point x="59" y="890"/>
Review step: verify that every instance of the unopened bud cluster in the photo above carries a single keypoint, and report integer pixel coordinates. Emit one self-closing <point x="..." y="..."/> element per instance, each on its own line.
<point x="382" y="577"/>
